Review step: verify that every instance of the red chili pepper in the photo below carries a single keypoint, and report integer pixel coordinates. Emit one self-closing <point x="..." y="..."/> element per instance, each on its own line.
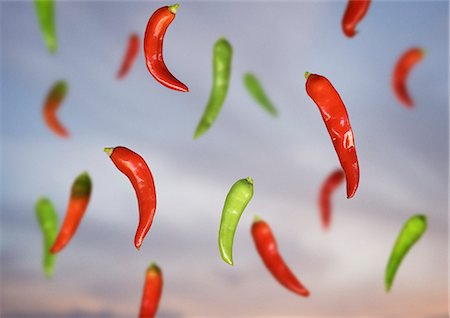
<point x="52" y="103"/>
<point x="268" y="250"/>
<point x="130" y="56"/>
<point x="354" y="13"/>
<point x="328" y="187"/>
<point x="152" y="292"/>
<point x="78" y="202"/>
<point x="153" y="46"/>
<point x="401" y="71"/>
<point x="135" y="168"/>
<point x="336" y="120"/>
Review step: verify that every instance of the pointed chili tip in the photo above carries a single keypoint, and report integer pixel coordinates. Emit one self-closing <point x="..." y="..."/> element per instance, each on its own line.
<point x="307" y="75"/>
<point x="249" y="180"/>
<point x="173" y="8"/>
<point x="256" y="219"/>
<point x="229" y="261"/>
<point x="108" y="151"/>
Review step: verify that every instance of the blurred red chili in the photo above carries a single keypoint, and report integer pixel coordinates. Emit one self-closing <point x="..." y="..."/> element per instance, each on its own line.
<point x="354" y="13"/>
<point x="336" y="120"/>
<point x="153" y="47"/>
<point x="52" y="103"/>
<point x="401" y="71"/>
<point x="130" y="55"/>
<point x="268" y="250"/>
<point x="330" y="184"/>
<point x="136" y="169"/>
<point x="78" y="202"/>
<point x="152" y="292"/>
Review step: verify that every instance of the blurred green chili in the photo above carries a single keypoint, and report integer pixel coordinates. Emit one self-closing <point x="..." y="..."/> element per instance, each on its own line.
<point x="237" y="199"/>
<point x="255" y="89"/>
<point x="48" y="222"/>
<point x="222" y="55"/>
<point x="410" y="233"/>
<point x="45" y="11"/>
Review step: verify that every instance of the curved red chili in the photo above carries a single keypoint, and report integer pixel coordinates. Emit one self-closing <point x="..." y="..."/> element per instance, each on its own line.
<point x="354" y="13"/>
<point x="52" y="103"/>
<point x="130" y="55"/>
<point x="336" y="120"/>
<point x="153" y="47"/>
<point x="401" y="71"/>
<point x="152" y="292"/>
<point x="268" y="250"/>
<point x="135" y="168"/>
<point x="78" y="202"/>
<point x="330" y="184"/>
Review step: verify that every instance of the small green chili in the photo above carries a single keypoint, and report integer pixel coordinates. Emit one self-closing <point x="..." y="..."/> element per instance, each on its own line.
<point x="222" y="54"/>
<point x="255" y="89"/>
<point x="410" y="233"/>
<point x="45" y="12"/>
<point x="237" y="199"/>
<point x="48" y="222"/>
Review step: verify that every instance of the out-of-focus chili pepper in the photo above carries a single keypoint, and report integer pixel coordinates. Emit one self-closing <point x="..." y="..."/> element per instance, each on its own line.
<point x="78" y="202"/>
<point x="354" y="13"/>
<point x="152" y="291"/>
<point x="255" y="89"/>
<point x="52" y="103"/>
<point x="153" y="47"/>
<point x="222" y="54"/>
<point x="130" y="55"/>
<point x="410" y="233"/>
<point x="330" y="184"/>
<point x="48" y="222"/>
<point x="336" y="120"/>
<point x="266" y="246"/>
<point x="45" y="13"/>
<point x="402" y="69"/>
<point x="237" y="199"/>
<point x="137" y="171"/>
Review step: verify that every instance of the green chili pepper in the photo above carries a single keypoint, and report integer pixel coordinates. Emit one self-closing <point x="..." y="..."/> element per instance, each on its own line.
<point x="221" y="77"/>
<point x="45" y="13"/>
<point x="48" y="221"/>
<point x="255" y="89"/>
<point x="410" y="233"/>
<point x="237" y="199"/>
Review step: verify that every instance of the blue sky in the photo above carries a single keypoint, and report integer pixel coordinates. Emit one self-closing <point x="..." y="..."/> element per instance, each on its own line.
<point x="403" y="157"/>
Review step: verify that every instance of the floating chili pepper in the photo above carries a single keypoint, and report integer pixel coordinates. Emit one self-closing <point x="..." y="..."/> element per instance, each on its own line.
<point x="336" y="120"/>
<point x="130" y="55"/>
<point x="237" y="199"/>
<point x="266" y="246"/>
<point x="48" y="222"/>
<point x="354" y="13"/>
<point x="222" y="54"/>
<point x="328" y="187"/>
<point x="408" y="236"/>
<point x="153" y="47"/>
<point x="137" y="171"/>
<point x="255" y="89"/>
<point x="402" y="69"/>
<point x="45" y="13"/>
<point x="52" y="103"/>
<point x="78" y="202"/>
<point x="152" y="291"/>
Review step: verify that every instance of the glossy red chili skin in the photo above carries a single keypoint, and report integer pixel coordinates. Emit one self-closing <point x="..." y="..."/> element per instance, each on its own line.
<point x="266" y="246"/>
<point x="335" y="117"/>
<point x="136" y="169"/>
<point x="354" y="13"/>
<point x="405" y="64"/>
<point x="331" y="183"/>
<point x="153" y="48"/>
<point x="152" y="292"/>
<point x="130" y="55"/>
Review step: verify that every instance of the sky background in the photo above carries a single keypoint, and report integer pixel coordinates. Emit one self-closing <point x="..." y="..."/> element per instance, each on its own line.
<point x="403" y="156"/>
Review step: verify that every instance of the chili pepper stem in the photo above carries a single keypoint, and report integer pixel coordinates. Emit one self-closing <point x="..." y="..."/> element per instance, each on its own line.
<point x="256" y="219"/>
<point x="173" y="8"/>
<point x="108" y="151"/>
<point x="249" y="180"/>
<point x="307" y="75"/>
